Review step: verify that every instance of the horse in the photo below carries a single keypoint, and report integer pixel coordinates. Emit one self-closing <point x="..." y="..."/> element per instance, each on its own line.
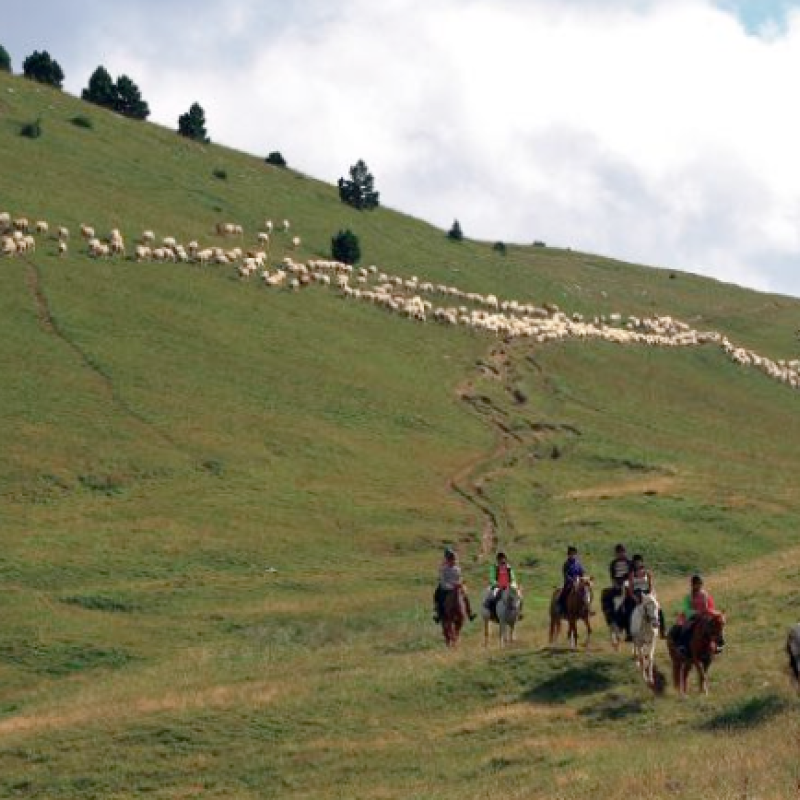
<point x="507" y="610"/>
<point x="793" y="651"/>
<point x="644" y="630"/>
<point x="613" y="601"/>
<point x="578" y="606"/>
<point x="454" y="614"/>
<point x="706" y="631"/>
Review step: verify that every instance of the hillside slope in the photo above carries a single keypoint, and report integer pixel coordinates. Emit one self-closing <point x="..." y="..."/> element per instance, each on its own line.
<point x="222" y="505"/>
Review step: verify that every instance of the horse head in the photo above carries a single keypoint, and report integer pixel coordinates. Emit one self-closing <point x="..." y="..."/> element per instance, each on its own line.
<point x="650" y="609"/>
<point x="714" y="624"/>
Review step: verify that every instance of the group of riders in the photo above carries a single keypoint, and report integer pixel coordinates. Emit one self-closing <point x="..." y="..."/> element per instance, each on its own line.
<point x="630" y="578"/>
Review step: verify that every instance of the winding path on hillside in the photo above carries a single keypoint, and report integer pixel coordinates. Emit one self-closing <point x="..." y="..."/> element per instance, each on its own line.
<point x="509" y="447"/>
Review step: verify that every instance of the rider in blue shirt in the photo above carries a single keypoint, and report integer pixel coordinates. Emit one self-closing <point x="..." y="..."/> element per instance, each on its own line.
<point x="572" y="569"/>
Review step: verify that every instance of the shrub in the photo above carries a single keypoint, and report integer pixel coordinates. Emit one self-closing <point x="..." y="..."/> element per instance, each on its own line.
<point x="82" y="121"/>
<point x="537" y="243"/>
<point x="32" y="130"/>
<point x="276" y="159"/>
<point x="345" y="247"/>
<point x="5" y="60"/>
<point x="42" y="68"/>
<point x="499" y="247"/>
<point x="455" y="233"/>
<point x="221" y="174"/>
<point x="359" y="192"/>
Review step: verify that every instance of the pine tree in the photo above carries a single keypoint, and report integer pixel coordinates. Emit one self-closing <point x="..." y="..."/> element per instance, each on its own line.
<point x="5" y="60"/>
<point x="129" y="99"/>
<point x="42" y="68"/>
<point x="101" y="89"/>
<point x="345" y="247"/>
<point x="192" y="124"/>
<point x="455" y="233"/>
<point x="359" y="191"/>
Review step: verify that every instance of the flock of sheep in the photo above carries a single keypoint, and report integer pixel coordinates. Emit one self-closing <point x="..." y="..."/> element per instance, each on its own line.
<point x="408" y="297"/>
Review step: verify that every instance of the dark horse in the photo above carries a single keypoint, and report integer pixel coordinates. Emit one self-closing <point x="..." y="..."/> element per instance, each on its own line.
<point x="700" y="650"/>
<point x="454" y="614"/>
<point x="577" y="605"/>
<point x="793" y="650"/>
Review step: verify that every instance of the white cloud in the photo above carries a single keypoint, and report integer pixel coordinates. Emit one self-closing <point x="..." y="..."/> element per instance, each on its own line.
<point x="655" y="130"/>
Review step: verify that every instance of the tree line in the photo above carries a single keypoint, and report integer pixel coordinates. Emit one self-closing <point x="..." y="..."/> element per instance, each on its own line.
<point x="124" y="97"/>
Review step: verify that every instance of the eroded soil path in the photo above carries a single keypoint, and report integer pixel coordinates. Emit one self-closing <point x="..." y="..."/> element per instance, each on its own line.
<point x="516" y="433"/>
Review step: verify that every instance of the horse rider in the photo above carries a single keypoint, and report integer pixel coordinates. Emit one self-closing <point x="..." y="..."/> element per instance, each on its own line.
<point x="572" y="570"/>
<point x="501" y="577"/>
<point x="698" y="601"/>
<point x="640" y="582"/>
<point x="619" y="569"/>
<point x="449" y="581"/>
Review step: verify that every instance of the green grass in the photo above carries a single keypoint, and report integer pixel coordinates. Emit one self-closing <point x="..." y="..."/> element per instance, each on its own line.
<point x="223" y="506"/>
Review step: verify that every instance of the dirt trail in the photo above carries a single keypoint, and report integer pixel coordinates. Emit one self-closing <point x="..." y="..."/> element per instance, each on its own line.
<point x="511" y="444"/>
<point x="51" y="326"/>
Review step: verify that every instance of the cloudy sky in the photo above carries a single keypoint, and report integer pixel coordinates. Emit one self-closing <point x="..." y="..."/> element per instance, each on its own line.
<point x="665" y="132"/>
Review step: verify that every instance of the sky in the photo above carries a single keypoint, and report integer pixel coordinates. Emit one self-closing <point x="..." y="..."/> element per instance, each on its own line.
<point x="665" y="132"/>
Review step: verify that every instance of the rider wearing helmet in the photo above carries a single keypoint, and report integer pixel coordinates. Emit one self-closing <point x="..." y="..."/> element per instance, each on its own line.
<point x="450" y="580"/>
<point x="572" y="570"/>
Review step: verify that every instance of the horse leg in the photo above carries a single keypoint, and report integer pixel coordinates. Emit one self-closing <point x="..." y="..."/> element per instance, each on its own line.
<point x="572" y="633"/>
<point x="687" y="668"/>
<point x="485" y="632"/>
<point x="701" y="671"/>
<point x="588" y="629"/>
<point x="555" y="627"/>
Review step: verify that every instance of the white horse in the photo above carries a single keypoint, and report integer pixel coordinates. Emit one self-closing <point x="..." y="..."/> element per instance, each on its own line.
<point x="793" y="649"/>
<point x="507" y="610"/>
<point x="644" y="630"/>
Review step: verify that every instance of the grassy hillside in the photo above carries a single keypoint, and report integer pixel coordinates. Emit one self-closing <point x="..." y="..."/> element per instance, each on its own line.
<point x="223" y="506"/>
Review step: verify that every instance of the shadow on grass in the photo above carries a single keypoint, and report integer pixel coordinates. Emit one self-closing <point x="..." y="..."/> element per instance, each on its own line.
<point x="747" y="714"/>
<point x="573" y="681"/>
<point x="614" y="707"/>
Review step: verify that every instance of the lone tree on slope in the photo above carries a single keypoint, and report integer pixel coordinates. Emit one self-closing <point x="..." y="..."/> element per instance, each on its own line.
<point x="345" y="247"/>
<point x="5" y="60"/>
<point x="192" y="124"/>
<point x="42" y="68"/>
<point x="359" y="191"/>
<point x="455" y="233"/>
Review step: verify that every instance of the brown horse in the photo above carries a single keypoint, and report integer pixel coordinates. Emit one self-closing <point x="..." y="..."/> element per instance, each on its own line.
<point x="706" y="632"/>
<point x="454" y="614"/>
<point x="578" y="604"/>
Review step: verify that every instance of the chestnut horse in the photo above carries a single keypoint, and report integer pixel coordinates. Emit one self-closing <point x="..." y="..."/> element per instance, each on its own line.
<point x="454" y="614"/>
<point x="706" y="631"/>
<point x="578" y="605"/>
